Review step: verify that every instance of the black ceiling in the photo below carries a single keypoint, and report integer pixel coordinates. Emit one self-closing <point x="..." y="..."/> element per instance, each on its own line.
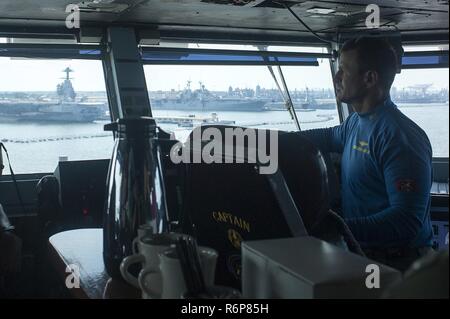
<point x="234" y="16"/>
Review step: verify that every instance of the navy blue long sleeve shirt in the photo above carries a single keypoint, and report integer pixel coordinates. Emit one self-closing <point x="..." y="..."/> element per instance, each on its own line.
<point x="386" y="174"/>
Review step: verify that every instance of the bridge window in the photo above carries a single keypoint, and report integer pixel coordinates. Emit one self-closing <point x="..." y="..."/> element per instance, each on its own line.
<point x="313" y="95"/>
<point x="47" y="112"/>
<point x="422" y="95"/>
<point x="217" y="85"/>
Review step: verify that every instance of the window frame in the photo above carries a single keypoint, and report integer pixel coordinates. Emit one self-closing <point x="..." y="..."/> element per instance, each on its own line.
<point x="34" y="51"/>
<point x="235" y="57"/>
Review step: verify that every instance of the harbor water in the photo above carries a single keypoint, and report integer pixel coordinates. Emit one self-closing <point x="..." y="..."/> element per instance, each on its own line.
<point x="36" y="147"/>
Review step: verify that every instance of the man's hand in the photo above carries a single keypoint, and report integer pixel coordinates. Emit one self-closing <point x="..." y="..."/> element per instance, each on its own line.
<point x="10" y="253"/>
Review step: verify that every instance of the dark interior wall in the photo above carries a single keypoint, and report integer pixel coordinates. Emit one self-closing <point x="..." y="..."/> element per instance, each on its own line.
<point x="256" y="16"/>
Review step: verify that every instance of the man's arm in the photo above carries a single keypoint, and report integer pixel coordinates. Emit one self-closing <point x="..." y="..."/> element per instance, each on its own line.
<point x="330" y="139"/>
<point x="408" y="176"/>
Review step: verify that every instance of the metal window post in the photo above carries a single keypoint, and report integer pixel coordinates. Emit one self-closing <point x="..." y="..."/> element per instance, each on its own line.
<point x="124" y="75"/>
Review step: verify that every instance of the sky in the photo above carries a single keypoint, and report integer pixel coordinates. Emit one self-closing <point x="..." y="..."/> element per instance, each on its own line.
<point x="18" y="74"/>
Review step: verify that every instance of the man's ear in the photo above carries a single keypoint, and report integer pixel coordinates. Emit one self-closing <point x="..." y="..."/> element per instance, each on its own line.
<point x="371" y="78"/>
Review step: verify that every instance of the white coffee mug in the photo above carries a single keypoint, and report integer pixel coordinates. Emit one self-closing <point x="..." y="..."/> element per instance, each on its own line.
<point x="143" y="230"/>
<point x="149" y="247"/>
<point x="168" y="281"/>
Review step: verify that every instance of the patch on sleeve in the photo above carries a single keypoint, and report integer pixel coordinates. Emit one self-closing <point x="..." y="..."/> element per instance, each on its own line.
<point x="406" y="185"/>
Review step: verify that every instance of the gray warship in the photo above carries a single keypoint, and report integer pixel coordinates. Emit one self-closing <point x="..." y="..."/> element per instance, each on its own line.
<point x="203" y="100"/>
<point x="306" y="104"/>
<point x="66" y="108"/>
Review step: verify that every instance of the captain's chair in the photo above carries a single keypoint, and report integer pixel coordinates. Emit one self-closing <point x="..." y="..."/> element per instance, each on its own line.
<point x="229" y="203"/>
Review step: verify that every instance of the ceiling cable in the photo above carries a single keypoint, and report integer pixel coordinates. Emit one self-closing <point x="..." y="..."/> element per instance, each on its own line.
<point x="303" y="23"/>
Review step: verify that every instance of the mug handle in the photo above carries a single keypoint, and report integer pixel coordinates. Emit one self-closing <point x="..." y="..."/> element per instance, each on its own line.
<point x="142" y="284"/>
<point x="127" y="262"/>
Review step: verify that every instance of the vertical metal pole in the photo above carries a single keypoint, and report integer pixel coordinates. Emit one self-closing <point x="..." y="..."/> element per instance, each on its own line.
<point x="290" y="105"/>
<point x="124" y="75"/>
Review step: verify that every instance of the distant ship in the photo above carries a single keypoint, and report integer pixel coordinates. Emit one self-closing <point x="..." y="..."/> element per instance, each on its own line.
<point x="420" y="94"/>
<point x="203" y="100"/>
<point x="65" y="109"/>
<point x="308" y="104"/>
<point x="193" y="120"/>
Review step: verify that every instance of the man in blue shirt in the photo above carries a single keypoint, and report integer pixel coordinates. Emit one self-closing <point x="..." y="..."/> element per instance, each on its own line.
<point x="386" y="168"/>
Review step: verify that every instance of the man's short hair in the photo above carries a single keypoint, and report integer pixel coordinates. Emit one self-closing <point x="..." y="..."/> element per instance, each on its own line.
<point x="375" y="54"/>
